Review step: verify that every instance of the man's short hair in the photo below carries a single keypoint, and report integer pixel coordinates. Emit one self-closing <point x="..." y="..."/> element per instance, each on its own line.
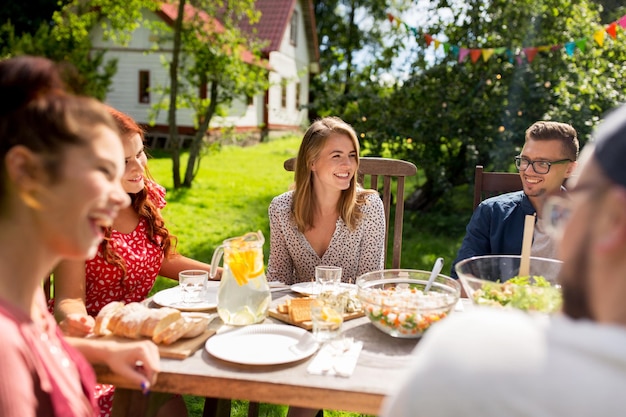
<point x="547" y="130"/>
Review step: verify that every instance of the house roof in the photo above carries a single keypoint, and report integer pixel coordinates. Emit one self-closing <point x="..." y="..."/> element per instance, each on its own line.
<point x="169" y="12"/>
<point x="275" y="17"/>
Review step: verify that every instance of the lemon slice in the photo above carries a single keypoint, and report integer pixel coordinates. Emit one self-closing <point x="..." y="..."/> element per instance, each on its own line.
<point x="331" y="316"/>
<point x="243" y="317"/>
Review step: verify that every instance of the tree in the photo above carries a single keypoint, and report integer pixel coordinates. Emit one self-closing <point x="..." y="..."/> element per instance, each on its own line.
<point x="450" y="115"/>
<point x="61" y="37"/>
<point x="356" y="46"/>
<point x="208" y="54"/>
<point x="210" y="51"/>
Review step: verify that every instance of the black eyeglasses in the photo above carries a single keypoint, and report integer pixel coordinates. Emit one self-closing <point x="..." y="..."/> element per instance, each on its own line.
<point x="557" y="209"/>
<point x="540" y="167"/>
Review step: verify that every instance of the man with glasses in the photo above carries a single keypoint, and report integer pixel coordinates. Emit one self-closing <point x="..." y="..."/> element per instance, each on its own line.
<point x="503" y="362"/>
<point x="497" y="225"/>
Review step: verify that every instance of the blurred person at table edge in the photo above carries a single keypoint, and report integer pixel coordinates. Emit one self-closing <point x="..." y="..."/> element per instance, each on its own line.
<point x="61" y="171"/>
<point x="137" y="247"/>
<point x="327" y="218"/>
<point x="547" y="159"/>
<point x="507" y="362"/>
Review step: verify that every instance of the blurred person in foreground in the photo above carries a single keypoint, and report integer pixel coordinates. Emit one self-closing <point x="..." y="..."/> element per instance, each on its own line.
<point x="547" y="159"/>
<point x="61" y="165"/>
<point x="510" y="363"/>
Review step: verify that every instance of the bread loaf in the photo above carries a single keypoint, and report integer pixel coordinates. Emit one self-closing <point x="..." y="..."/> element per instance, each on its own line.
<point x="130" y="324"/>
<point x="159" y="318"/>
<point x="103" y="317"/>
<point x="119" y="313"/>
<point x="135" y="320"/>
<point x="171" y="333"/>
<point x="197" y="325"/>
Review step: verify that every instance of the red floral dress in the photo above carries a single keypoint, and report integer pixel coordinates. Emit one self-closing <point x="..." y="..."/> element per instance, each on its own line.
<point x="104" y="281"/>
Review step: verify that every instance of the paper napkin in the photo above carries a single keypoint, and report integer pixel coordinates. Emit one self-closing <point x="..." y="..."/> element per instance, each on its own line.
<point x="337" y="358"/>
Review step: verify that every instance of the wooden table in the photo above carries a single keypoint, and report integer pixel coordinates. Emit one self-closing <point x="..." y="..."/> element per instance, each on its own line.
<point x="379" y="369"/>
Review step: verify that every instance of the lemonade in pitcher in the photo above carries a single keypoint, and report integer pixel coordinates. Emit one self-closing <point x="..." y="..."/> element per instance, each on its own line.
<point x="243" y="296"/>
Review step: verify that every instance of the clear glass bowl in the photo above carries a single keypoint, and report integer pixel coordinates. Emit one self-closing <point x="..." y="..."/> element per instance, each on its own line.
<point x="485" y="280"/>
<point x="395" y="302"/>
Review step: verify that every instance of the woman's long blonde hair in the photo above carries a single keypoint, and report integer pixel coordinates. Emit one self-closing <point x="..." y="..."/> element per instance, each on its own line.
<point x="304" y="203"/>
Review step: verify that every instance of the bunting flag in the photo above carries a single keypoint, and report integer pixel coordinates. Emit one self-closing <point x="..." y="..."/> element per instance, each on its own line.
<point x="513" y="55"/>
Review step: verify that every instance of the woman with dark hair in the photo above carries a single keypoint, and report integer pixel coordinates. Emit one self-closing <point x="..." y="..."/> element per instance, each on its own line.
<point x="60" y="171"/>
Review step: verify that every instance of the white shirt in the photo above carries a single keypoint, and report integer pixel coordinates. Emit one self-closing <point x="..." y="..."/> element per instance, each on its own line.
<point x="506" y="363"/>
<point x="293" y="259"/>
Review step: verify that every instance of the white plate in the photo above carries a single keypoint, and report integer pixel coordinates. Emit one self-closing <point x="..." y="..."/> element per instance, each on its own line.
<point x="171" y="298"/>
<point x="263" y="344"/>
<point x="312" y="288"/>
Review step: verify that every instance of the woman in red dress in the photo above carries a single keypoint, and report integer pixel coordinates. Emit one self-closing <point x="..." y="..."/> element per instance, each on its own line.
<point x="136" y="249"/>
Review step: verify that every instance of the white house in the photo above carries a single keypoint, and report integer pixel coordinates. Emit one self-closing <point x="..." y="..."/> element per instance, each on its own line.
<point x="292" y="53"/>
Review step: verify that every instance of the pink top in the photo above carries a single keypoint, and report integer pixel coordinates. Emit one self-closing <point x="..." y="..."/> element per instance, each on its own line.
<point x="41" y="375"/>
<point x="143" y="262"/>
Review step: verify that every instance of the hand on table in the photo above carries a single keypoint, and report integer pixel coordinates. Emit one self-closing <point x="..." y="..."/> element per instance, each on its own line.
<point x="136" y="361"/>
<point x="77" y="325"/>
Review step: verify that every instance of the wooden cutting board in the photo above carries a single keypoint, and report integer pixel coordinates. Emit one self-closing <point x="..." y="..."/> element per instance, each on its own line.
<point x="180" y="349"/>
<point x="308" y="325"/>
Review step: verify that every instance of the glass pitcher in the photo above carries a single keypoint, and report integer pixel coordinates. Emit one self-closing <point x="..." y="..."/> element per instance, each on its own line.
<point x="243" y="296"/>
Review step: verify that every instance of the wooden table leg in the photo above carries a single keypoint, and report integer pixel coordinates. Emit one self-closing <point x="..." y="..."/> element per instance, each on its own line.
<point x="129" y="403"/>
<point x="133" y="403"/>
<point x="216" y="407"/>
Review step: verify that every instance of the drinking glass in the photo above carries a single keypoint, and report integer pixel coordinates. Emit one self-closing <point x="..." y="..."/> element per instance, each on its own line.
<point x="328" y="276"/>
<point x="193" y="284"/>
<point x="327" y="315"/>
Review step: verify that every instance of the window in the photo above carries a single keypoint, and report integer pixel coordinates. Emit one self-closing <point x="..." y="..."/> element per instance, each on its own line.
<point x="144" y="87"/>
<point x="298" y="96"/>
<point x="283" y="93"/>
<point x="249" y="100"/>
<point x="293" y="34"/>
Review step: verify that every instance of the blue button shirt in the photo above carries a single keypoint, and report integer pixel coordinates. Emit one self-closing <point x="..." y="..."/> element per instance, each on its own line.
<point x="496" y="227"/>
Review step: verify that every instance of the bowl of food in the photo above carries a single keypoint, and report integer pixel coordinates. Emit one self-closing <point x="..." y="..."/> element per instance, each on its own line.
<point x="494" y="280"/>
<point x="396" y="302"/>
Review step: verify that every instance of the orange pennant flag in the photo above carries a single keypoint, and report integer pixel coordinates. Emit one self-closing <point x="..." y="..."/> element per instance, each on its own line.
<point x="487" y="54"/>
<point x="611" y="30"/>
<point x="530" y="53"/>
<point x="428" y="38"/>
<point x="390" y="17"/>
<point x="474" y="55"/>
<point x="598" y="36"/>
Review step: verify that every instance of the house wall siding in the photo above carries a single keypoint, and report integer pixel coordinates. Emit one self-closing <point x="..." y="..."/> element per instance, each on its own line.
<point x="290" y="65"/>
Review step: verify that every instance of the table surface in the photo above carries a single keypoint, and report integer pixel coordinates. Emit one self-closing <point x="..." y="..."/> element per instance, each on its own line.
<point x="378" y="372"/>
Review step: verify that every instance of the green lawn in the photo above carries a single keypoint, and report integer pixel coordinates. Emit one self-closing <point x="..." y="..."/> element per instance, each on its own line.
<point x="230" y="197"/>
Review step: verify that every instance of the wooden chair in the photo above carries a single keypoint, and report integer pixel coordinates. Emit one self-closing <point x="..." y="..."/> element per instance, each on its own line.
<point x="489" y="184"/>
<point x="384" y="169"/>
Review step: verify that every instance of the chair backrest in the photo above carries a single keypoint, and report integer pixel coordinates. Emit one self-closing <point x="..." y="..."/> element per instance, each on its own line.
<point x="489" y="184"/>
<point x="384" y="169"/>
